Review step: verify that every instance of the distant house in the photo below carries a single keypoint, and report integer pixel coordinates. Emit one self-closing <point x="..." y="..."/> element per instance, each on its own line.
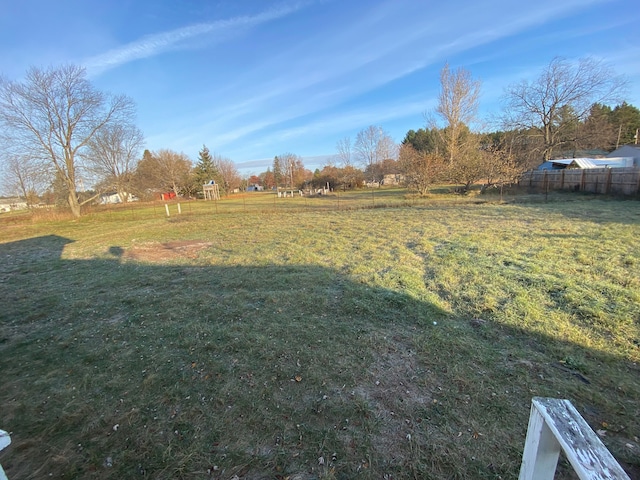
<point x="12" y="203"/>
<point x="393" y="179"/>
<point x="113" y="198"/>
<point x="255" y="188"/>
<point x="609" y="162"/>
<point x="628" y="152"/>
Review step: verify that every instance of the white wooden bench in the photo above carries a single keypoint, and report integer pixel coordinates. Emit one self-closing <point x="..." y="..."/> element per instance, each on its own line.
<point x="556" y="425"/>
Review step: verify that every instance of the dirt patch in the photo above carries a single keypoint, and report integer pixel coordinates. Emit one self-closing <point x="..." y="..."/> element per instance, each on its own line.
<point x="396" y="394"/>
<point x="162" y="252"/>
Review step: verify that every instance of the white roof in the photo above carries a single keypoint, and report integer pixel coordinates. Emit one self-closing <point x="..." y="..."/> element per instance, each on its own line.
<point x="595" y="162"/>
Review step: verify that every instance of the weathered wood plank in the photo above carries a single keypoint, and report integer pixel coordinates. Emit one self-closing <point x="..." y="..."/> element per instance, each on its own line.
<point x="570" y="432"/>
<point x="541" y="450"/>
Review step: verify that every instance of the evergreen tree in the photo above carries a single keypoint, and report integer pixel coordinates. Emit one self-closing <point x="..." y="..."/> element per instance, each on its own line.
<point x="278" y="171"/>
<point x="424" y="141"/>
<point x="205" y="170"/>
<point x="626" y="121"/>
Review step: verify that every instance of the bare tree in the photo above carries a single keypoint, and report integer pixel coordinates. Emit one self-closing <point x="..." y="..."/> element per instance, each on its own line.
<point x="231" y="179"/>
<point x="372" y="146"/>
<point x="163" y="171"/>
<point x="53" y="114"/>
<point x="421" y="169"/>
<point x="293" y="172"/>
<point x="343" y="146"/>
<point x="538" y="105"/>
<point x="457" y="107"/>
<point x="112" y="153"/>
<point x="500" y="167"/>
<point x="24" y="177"/>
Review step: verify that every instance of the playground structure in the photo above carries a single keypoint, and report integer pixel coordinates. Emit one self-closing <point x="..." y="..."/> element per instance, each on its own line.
<point x="211" y="191"/>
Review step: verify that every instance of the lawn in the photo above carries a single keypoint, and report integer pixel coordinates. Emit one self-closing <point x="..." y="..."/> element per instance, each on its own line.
<point x="386" y="337"/>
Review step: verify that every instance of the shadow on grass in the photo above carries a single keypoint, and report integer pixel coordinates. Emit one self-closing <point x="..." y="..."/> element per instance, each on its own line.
<point x="113" y="368"/>
<point x="600" y="209"/>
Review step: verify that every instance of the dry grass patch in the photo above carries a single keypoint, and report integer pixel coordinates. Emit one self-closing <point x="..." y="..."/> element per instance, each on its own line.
<point x="305" y="347"/>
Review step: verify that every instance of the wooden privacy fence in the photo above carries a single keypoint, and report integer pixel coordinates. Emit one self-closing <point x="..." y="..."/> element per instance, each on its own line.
<point x="554" y="426"/>
<point x="619" y="181"/>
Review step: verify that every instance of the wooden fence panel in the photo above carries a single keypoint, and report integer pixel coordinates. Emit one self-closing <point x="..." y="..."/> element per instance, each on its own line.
<point x="618" y="181"/>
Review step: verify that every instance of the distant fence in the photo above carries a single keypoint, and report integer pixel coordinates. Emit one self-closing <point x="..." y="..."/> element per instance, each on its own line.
<point x="618" y="181"/>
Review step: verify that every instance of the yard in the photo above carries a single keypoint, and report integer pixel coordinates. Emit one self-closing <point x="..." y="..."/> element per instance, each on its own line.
<point x="247" y="340"/>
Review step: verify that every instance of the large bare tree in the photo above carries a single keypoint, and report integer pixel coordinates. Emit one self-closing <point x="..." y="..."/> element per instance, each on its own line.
<point x="112" y="153"/>
<point x="372" y="146"/>
<point x="539" y="105"/>
<point x="343" y="146"/>
<point x="53" y="114"/>
<point x="229" y="174"/>
<point x="457" y="107"/>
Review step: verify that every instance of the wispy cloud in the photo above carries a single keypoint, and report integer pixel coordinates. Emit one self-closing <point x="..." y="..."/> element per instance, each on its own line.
<point x="158" y="43"/>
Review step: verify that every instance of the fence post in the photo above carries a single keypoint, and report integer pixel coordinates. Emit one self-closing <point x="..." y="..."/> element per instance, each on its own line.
<point x="545" y="185"/>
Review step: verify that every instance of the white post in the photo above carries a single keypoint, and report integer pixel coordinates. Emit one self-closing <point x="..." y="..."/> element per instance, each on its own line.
<point x="179" y="209"/>
<point x="541" y="450"/>
<point x="166" y="208"/>
<point x="5" y="440"/>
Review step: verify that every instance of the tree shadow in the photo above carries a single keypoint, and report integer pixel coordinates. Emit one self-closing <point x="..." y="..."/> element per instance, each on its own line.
<point x="112" y="366"/>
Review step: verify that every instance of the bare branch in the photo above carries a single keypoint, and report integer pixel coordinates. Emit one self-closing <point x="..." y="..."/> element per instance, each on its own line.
<point x="53" y="114"/>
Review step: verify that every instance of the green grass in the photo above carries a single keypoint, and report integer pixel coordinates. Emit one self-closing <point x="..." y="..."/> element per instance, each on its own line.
<point x="312" y="339"/>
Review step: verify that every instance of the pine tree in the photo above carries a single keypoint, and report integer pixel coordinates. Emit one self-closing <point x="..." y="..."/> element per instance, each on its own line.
<point x="278" y="171"/>
<point x="205" y="170"/>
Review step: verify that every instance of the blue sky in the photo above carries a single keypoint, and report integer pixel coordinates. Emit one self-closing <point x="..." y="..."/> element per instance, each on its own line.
<point x="252" y="79"/>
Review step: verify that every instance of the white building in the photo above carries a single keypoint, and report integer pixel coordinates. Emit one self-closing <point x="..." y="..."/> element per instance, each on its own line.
<point x="631" y="152"/>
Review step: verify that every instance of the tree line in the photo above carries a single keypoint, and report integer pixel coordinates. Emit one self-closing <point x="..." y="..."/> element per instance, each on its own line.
<point x="563" y="112"/>
<point x="57" y="131"/>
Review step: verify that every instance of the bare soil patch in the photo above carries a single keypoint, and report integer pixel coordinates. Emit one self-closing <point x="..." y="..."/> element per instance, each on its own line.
<point x="162" y="252"/>
<point x="395" y="392"/>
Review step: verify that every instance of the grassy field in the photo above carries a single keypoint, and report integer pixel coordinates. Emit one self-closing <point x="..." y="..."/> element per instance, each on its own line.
<point x="318" y="338"/>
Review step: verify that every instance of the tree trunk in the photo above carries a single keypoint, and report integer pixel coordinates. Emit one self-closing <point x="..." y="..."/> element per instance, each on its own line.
<point x="74" y="205"/>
